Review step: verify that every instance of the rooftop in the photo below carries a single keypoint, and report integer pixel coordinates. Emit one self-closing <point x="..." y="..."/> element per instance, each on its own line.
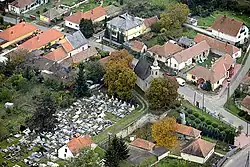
<point x="78" y="143"/>
<point x="126" y="22"/>
<point x="246" y="102"/>
<point x="227" y="25"/>
<point x="92" y="14"/>
<point x="149" y="21"/>
<point x="199" y="148"/>
<point x="17" y="31"/>
<point x="21" y="3"/>
<point x="142" y="69"/>
<point x="144" y="144"/>
<point x="55" y="12"/>
<point x="188" y="130"/>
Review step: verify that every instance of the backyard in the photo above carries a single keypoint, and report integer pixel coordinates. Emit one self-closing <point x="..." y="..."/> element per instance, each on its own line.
<point x="206" y="22"/>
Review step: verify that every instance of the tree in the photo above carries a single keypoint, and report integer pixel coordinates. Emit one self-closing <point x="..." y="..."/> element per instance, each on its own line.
<point x="117" y="151"/>
<point x="87" y="27"/>
<point x="44" y="118"/>
<point x="81" y="88"/>
<point x="119" y="77"/>
<point x="172" y="20"/>
<point x="162" y="92"/>
<point x="121" y="2"/>
<point x="1" y="20"/>
<point x="86" y="158"/>
<point x="164" y="133"/>
<point x="94" y="71"/>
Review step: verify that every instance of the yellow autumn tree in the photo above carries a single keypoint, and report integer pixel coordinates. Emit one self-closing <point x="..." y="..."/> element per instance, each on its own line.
<point x="164" y="133"/>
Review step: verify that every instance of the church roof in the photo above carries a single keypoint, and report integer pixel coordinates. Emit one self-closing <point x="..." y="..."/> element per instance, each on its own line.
<point x="142" y="69"/>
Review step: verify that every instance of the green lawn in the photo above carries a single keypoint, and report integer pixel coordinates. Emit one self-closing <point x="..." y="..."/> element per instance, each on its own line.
<point x="170" y="162"/>
<point x="208" y="21"/>
<point x="111" y="117"/>
<point x="207" y="63"/>
<point x="41" y="9"/>
<point x="69" y="2"/>
<point x="190" y="33"/>
<point x="230" y="106"/>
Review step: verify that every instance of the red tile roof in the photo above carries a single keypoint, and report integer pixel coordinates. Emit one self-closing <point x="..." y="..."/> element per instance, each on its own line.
<point x="149" y="21"/>
<point x="137" y="45"/>
<point x="227" y="25"/>
<point x="56" y="55"/>
<point x="21" y="3"/>
<point x="42" y="39"/>
<point x="220" y="46"/>
<point x="246" y="102"/>
<point x="166" y="50"/>
<point x="17" y="31"/>
<point x="199" y="147"/>
<point x="91" y="15"/>
<point x="78" y="143"/>
<point x="217" y="72"/>
<point x="66" y="45"/>
<point x="144" y="144"/>
<point x="191" y="52"/>
<point x="188" y="130"/>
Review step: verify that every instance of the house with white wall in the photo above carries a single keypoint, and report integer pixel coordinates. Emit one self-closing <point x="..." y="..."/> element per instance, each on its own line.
<point x="218" y="47"/>
<point x="75" y="145"/>
<point x="96" y="15"/>
<point x="189" y="56"/>
<point x="198" y="151"/>
<point x="22" y="6"/>
<point x="230" y="30"/>
<point x="164" y="52"/>
<point x="222" y="69"/>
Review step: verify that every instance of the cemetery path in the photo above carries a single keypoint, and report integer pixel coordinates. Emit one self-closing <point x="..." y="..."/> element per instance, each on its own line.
<point x="143" y="101"/>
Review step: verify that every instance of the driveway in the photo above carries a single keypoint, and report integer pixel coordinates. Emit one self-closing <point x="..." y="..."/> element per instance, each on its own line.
<point x="137" y="155"/>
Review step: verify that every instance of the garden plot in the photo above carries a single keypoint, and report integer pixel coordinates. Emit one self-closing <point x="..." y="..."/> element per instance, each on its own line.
<point x="85" y="116"/>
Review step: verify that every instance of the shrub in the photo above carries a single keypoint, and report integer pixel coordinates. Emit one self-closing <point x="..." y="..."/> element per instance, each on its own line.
<point x="221" y="128"/>
<point x="202" y="119"/>
<point x="242" y="113"/>
<point x="208" y="122"/>
<point x="196" y="115"/>
<point x="192" y="117"/>
<point x="38" y="12"/>
<point x="189" y="111"/>
<point x="45" y="10"/>
<point x="197" y="120"/>
<point x="215" y="125"/>
<point x="247" y="117"/>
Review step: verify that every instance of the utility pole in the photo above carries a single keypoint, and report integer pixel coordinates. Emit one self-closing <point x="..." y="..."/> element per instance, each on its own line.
<point x="228" y="90"/>
<point x="203" y="102"/>
<point x="247" y="162"/>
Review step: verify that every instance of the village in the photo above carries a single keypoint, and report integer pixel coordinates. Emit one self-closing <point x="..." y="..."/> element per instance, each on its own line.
<point x="122" y="83"/>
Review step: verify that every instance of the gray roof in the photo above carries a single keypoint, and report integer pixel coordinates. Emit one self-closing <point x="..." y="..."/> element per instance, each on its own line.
<point x="126" y="22"/>
<point x="186" y="41"/>
<point x="55" y="12"/>
<point x="142" y="69"/>
<point x="2" y="40"/>
<point x="158" y="151"/>
<point x="77" y="39"/>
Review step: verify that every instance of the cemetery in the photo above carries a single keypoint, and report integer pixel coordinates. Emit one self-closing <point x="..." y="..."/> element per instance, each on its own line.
<point x="89" y="115"/>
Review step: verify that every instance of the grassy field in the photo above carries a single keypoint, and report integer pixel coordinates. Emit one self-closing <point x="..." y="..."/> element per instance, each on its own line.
<point x="69" y="2"/>
<point x="208" y="21"/>
<point x="41" y="9"/>
<point x="190" y="33"/>
<point x="169" y="162"/>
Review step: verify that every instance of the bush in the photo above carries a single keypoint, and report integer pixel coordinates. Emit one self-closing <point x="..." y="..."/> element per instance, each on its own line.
<point x="189" y="111"/>
<point x="221" y="128"/>
<point x="196" y="115"/>
<point x="208" y="122"/>
<point x="38" y="12"/>
<point x="215" y="125"/>
<point x="202" y="119"/>
<point x="45" y="10"/>
<point x="192" y="117"/>
<point x="242" y="113"/>
<point x="247" y="117"/>
<point x="197" y="120"/>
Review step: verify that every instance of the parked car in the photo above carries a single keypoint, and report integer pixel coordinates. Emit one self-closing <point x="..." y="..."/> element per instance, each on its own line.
<point x="180" y="81"/>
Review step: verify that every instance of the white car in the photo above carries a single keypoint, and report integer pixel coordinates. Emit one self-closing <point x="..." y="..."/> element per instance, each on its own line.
<point x="181" y="81"/>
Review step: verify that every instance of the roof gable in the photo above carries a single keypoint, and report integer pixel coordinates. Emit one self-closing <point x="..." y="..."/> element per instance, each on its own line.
<point x="21" y="3"/>
<point x="144" y="144"/>
<point x="77" y="39"/>
<point x="78" y="143"/>
<point x="187" y="130"/>
<point x="56" y="55"/>
<point x="227" y="25"/>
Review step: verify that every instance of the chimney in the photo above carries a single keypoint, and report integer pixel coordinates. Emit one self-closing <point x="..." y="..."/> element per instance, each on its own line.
<point x="92" y="11"/>
<point x="12" y="32"/>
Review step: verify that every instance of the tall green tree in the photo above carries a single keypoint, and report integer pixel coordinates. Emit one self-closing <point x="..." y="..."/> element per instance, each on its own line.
<point x="86" y="158"/>
<point x="44" y="118"/>
<point x="81" y="88"/>
<point x="117" y="151"/>
<point x="94" y="71"/>
<point x="87" y="28"/>
<point x="162" y="92"/>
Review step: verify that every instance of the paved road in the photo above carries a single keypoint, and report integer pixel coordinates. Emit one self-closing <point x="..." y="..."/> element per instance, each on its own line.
<point x="199" y="29"/>
<point x="100" y="46"/>
<point x="10" y="20"/>
<point x="214" y="104"/>
<point x="239" y="159"/>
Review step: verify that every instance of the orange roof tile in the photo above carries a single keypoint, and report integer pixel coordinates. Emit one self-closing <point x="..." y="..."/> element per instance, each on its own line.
<point x="191" y="52"/>
<point x="56" y="55"/>
<point x="144" y="144"/>
<point x="42" y="39"/>
<point x="66" y="45"/>
<point x="166" y="50"/>
<point x="78" y="143"/>
<point x="149" y="21"/>
<point x="91" y="15"/>
<point x="227" y="25"/>
<point x="137" y="45"/>
<point x="17" y="31"/>
<point x="187" y="130"/>
<point x="216" y="44"/>
<point x="199" y="147"/>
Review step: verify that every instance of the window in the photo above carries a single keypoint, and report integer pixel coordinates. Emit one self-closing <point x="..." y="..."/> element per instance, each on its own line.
<point x="76" y="26"/>
<point x="239" y="37"/>
<point x="156" y="73"/>
<point x="193" y="77"/>
<point x="175" y="65"/>
<point x="66" y="150"/>
<point x="70" y="24"/>
<point x="218" y="82"/>
<point x="64" y="155"/>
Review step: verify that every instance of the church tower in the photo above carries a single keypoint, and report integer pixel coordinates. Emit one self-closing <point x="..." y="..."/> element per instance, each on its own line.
<point x="155" y="69"/>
